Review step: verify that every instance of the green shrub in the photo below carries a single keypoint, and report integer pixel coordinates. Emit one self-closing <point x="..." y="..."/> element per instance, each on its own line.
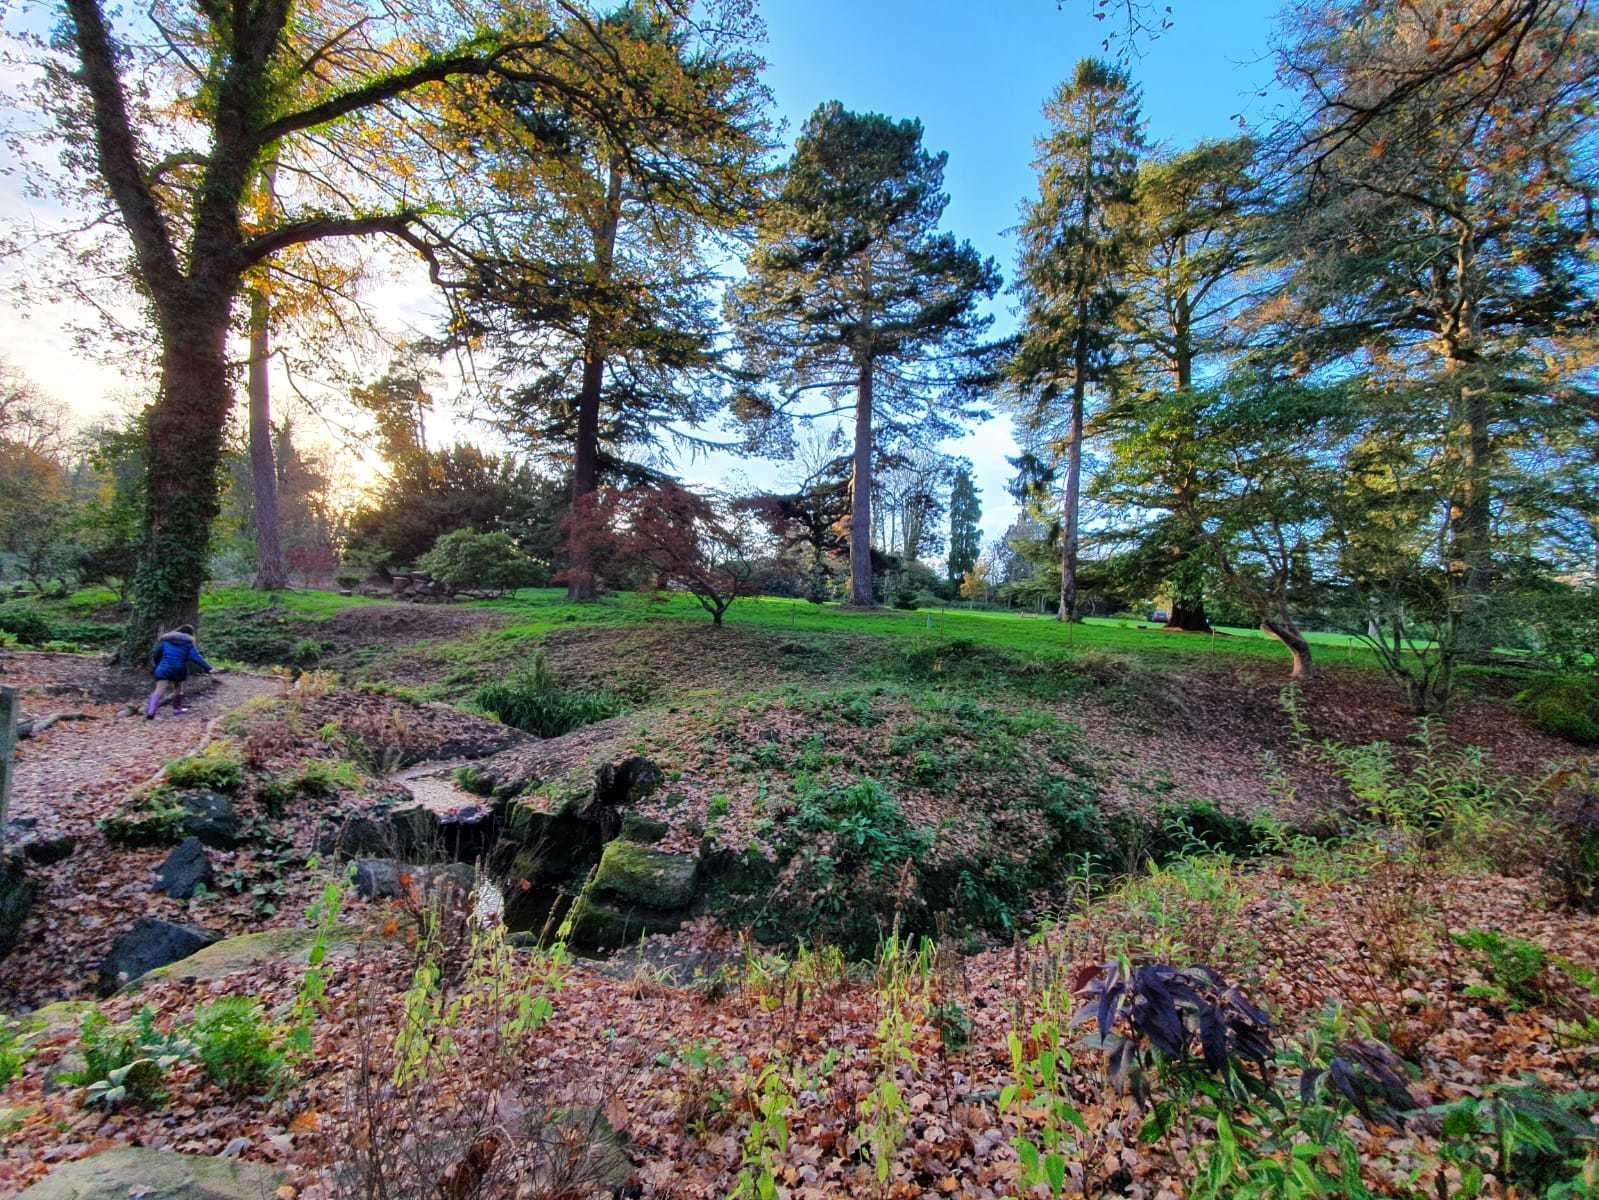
<point x="1534" y="1141"/>
<point x="25" y="623"/>
<point x="156" y="822"/>
<point x="257" y="636"/>
<point x="480" y="562"/>
<point x="1566" y="706"/>
<point x="1199" y="827"/>
<point x="1567" y="623"/>
<point x="237" y="1045"/>
<point x="319" y="777"/>
<point x="85" y="633"/>
<point x="533" y="701"/>
<point x="216" y="770"/>
<point x="853" y="843"/>
<point x="306" y="652"/>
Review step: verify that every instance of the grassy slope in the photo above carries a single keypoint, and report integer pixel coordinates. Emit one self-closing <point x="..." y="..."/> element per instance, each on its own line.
<point x="538" y="611"/>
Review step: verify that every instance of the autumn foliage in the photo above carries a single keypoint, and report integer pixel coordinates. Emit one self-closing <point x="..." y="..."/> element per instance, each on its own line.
<point x="699" y="543"/>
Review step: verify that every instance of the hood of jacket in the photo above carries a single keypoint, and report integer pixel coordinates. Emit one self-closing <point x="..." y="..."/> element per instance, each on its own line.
<point x="178" y="636"/>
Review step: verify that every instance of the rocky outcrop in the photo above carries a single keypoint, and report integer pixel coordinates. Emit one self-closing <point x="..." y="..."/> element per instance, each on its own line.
<point x="155" y="1175"/>
<point x="150" y="944"/>
<point x="385" y="878"/>
<point x="419" y="588"/>
<point x="408" y="831"/>
<point x="54" y="1018"/>
<point x="22" y="836"/>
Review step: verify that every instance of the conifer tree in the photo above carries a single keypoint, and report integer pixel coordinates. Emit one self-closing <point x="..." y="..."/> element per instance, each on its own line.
<point x="1074" y="246"/>
<point x="855" y="296"/>
<point x="965" y="515"/>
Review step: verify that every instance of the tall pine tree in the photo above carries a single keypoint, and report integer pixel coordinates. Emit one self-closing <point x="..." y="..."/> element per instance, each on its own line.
<point x="855" y="296"/>
<point x="1074" y="244"/>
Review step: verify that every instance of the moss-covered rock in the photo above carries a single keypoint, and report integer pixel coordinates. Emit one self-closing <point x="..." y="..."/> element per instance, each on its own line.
<point x="1566" y="706"/>
<point x="63" y="1014"/>
<point x="641" y="829"/>
<point x="407" y="831"/>
<point x="626" y="782"/>
<point x="538" y="814"/>
<point x="155" y="1175"/>
<point x="639" y="874"/>
<point x="600" y="926"/>
<point x="248" y="950"/>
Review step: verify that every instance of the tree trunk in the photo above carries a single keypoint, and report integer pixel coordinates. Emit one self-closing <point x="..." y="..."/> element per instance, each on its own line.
<point x="1471" y="521"/>
<point x="1188" y="615"/>
<point x="860" y="515"/>
<point x="580" y="584"/>
<point x="1074" y="479"/>
<point x="1187" y="612"/>
<point x="184" y="451"/>
<point x="1286" y="632"/>
<point x="271" y="572"/>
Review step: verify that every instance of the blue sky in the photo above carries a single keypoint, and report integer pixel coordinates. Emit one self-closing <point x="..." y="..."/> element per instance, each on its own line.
<point x="977" y="75"/>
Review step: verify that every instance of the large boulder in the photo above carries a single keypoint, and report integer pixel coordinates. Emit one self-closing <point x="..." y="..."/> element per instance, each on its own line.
<point x="23" y="837"/>
<point x="377" y="878"/>
<point x="54" y="1018"/>
<point x="385" y="878"/>
<point x="185" y="870"/>
<point x="626" y="782"/>
<point x="155" y="1175"/>
<point x="211" y="817"/>
<point x="600" y="927"/>
<point x="16" y="901"/>
<point x="150" y="944"/>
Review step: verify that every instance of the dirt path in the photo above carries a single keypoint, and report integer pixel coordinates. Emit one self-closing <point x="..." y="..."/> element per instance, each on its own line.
<point x="77" y="772"/>
<point x="81" y="768"/>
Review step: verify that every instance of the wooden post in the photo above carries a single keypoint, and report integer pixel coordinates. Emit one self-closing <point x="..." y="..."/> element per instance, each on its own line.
<point x="8" y="747"/>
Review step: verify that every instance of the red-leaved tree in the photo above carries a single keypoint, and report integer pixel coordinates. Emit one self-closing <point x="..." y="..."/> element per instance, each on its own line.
<point x="693" y="542"/>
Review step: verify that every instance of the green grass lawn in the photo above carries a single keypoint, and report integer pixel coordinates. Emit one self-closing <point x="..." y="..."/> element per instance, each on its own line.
<point x="537" y="612"/>
<point x="303" y="605"/>
<point x="541" y="610"/>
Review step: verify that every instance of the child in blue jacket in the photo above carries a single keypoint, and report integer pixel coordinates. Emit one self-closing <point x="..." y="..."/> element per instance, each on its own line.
<point x="170" y="666"/>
